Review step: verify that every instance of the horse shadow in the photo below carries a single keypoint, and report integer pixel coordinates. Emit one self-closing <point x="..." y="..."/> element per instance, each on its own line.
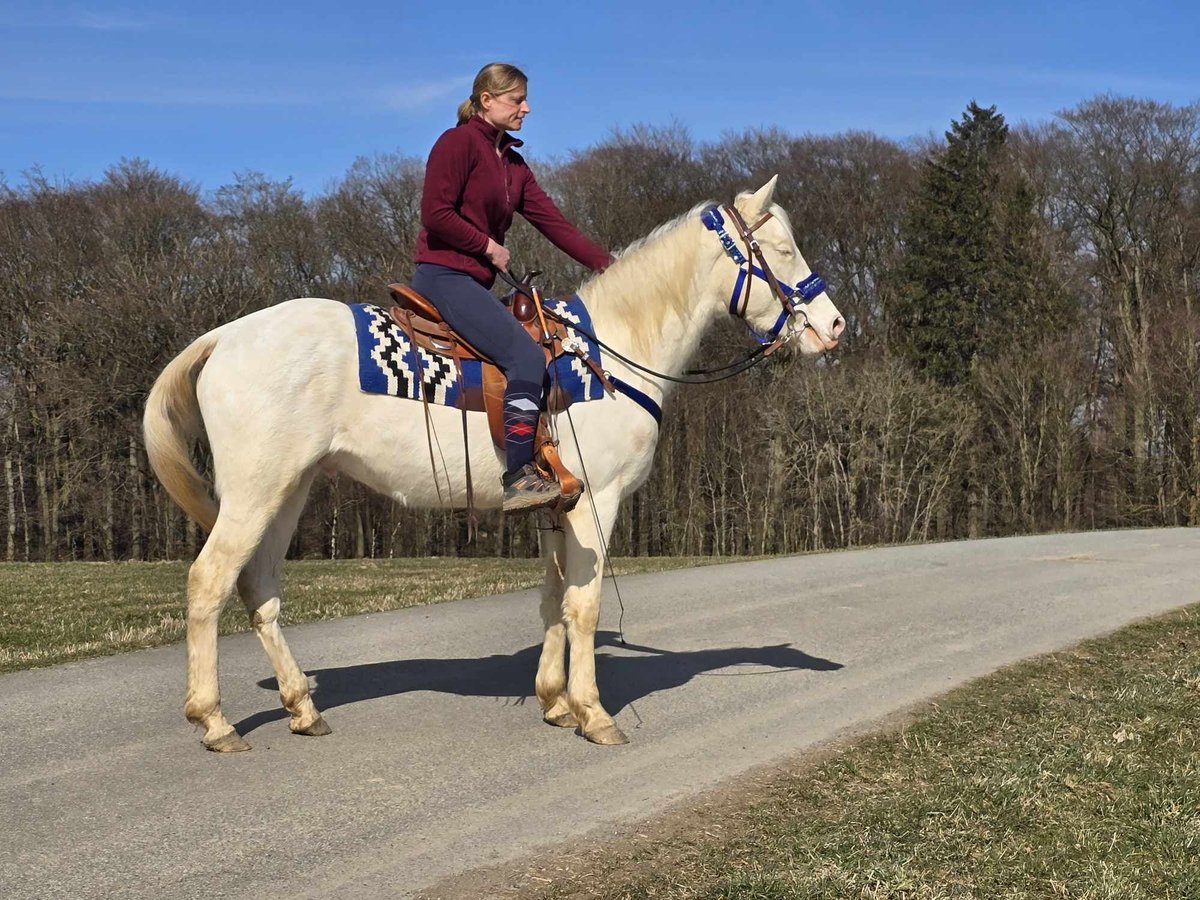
<point x="626" y="679"/>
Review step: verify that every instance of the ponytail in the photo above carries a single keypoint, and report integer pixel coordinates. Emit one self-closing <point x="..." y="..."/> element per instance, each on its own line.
<point x="467" y="109"/>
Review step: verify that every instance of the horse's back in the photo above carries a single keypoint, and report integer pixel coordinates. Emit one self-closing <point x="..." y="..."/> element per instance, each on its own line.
<point x="280" y="337"/>
<point x="294" y="318"/>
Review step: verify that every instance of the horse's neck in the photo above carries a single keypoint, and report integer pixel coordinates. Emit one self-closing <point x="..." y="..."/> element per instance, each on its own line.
<point x="649" y="305"/>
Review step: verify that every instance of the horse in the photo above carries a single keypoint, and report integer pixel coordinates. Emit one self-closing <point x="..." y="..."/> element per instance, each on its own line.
<point x="275" y="395"/>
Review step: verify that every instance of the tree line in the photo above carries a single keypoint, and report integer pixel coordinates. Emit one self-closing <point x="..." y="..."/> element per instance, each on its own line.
<point x="1021" y="351"/>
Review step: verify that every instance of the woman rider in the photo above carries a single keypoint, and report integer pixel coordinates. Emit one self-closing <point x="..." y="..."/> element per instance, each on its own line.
<point x="474" y="181"/>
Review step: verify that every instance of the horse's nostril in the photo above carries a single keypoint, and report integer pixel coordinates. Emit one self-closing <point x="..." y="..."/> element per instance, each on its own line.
<point x="839" y="325"/>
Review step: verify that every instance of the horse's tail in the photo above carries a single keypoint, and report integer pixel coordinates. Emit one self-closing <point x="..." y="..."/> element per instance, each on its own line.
<point x="171" y="425"/>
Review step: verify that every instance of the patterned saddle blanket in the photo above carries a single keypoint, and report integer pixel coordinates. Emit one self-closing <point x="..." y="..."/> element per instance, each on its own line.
<point x="386" y="361"/>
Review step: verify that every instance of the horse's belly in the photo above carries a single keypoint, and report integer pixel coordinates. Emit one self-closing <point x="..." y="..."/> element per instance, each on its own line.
<point x="383" y="443"/>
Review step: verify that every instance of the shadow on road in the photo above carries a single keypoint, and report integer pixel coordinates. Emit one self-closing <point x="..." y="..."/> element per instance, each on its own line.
<point x="623" y="679"/>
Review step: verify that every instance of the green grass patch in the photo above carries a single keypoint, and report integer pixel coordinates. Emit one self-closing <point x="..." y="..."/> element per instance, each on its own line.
<point x="56" y="612"/>
<point x="1075" y="775"/>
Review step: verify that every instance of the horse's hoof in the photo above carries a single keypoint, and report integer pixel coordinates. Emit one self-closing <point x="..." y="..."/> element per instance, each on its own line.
<point x="608" y="735"/>
<point x="563" y="720"/>
<point x="319" y="728"/>
<point x="227" y="743"/>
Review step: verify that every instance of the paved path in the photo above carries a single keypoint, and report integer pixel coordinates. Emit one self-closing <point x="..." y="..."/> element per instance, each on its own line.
<point x="439" y="761"/>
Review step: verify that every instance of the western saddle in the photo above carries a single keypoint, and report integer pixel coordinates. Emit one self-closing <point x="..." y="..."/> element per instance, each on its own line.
<point x="425" y="328"/>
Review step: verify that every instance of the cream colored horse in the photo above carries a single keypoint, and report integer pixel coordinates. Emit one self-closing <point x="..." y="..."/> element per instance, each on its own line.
<point x="276" y="392"/>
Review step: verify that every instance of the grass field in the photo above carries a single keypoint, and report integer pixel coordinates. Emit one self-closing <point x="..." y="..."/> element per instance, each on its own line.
<point x="56" y="612"/>
<point x="1075" y="775"/>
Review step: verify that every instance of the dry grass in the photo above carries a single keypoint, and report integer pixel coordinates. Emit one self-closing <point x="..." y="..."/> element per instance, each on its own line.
<point x="1075" y="775"/>
<point x="56" y="612"/>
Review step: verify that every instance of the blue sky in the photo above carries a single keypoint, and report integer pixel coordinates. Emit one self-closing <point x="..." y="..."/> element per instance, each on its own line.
<point x="301" y="89"/>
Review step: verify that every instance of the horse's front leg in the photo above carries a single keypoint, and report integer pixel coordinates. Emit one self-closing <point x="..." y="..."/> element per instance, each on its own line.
<point x="551" y="682"/>
<point x="581" y="611"/>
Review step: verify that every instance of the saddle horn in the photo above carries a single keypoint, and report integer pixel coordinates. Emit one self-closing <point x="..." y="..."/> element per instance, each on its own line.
<point x="520" y="298"/>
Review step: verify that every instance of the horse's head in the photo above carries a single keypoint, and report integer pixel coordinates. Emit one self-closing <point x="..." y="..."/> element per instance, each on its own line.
<point x="762" y="277"/>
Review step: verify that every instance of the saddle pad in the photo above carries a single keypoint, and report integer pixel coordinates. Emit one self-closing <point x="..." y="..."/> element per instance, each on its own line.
<point x="386" y="363"/>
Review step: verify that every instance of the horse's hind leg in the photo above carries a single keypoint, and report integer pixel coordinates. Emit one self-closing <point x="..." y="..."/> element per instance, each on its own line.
<point x="259" y="589"/>
<point x="551" y="681"/>
<point x="211" y="579"/>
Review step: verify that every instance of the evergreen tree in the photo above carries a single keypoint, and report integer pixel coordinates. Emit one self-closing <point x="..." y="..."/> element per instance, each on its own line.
<point x="973" y="279"/>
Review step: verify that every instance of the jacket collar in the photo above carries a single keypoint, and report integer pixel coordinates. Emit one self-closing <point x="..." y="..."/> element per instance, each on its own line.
<point x="486" y="128"/>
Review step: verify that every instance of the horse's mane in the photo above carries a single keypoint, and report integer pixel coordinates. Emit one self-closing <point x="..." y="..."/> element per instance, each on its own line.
<point x="657" y="267"/>
<point x="662" y="229"/>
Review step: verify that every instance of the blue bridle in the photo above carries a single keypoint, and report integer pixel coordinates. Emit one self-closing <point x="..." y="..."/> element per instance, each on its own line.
<point x="793" y="299"/>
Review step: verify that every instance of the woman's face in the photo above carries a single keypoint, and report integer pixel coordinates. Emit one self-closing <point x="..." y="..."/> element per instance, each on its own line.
<point x="506" y="111"/>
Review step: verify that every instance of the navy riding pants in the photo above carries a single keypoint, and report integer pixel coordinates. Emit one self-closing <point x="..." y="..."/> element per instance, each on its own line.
<point x="486" y="324"/>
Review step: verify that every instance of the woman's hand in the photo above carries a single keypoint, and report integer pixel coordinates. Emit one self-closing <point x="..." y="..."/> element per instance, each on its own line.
<point x="498" y="255"/>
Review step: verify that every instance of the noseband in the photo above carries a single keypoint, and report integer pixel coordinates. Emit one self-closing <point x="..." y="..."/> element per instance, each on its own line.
<point x="792" y="299"/>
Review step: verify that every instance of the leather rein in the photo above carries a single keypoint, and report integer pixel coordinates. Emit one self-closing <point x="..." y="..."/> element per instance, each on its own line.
<point x="793" y="300"/>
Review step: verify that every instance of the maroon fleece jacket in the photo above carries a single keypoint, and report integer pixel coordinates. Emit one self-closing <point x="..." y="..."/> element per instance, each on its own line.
<point x="471" y="194"/>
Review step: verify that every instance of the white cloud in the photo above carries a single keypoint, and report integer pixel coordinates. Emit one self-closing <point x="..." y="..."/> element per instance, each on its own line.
<point x="422" y="93"/>
<point x="77" y="17"/>
<point x="153" y="95"/>
<point x="53" y="90"/>
<point x="93" y="20"/>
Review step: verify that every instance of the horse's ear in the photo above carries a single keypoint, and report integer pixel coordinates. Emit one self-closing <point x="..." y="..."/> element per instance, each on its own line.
<point x="755" y="206"/>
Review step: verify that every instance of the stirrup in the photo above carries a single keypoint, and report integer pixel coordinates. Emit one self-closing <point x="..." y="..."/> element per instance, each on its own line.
<point x="547" y="461"/>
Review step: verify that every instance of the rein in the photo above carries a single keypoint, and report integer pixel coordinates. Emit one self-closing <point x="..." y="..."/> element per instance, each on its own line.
<point x="742" y="365"/>
<point x="792" y="300"/>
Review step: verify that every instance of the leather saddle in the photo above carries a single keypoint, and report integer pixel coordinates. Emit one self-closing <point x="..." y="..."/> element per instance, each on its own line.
<point x="425" y="328"/>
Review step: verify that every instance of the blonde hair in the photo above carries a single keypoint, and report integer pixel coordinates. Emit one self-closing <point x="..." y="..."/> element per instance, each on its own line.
<point x="494" y="78"/>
